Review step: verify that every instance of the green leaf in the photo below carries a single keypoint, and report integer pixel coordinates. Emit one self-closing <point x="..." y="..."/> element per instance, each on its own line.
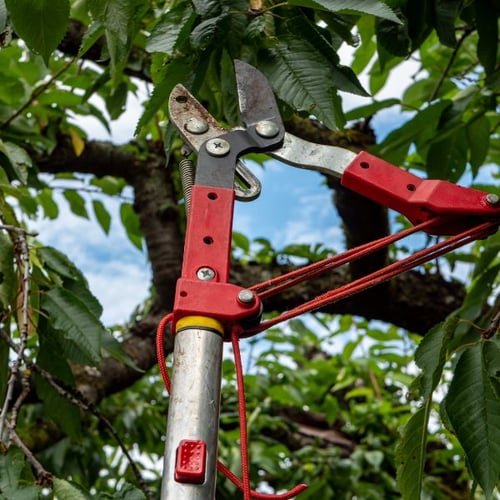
<point x="176" y="71"/>
<point x="478" y="140"/>
<point x="298" y="73"/>
<point x="131" y="224"/>
<point x="372" y="7"/>
<point x="115" y="349"/>
<point x="447" y="159"/>
<point x="393" y="38"/>
<point x="410" y="454"/>
<point x="370" y="109"/>
<point x="446" y="11"/>
<point x="487" y="28"/>
<point x="395" y="146"/>
<point x="41" y="23"/>
<point x="58" y="262"/>
<point x="473" y="407"/>
<point x="102" y="215"/>
<point x="120" y="20"/>
<point x="241" y="241"/>
<point x="8" y="275"/>
<point x="172" y="29"/>
<point x="19" y="159"/>
<point x="76" y="203"/>
<point x="68" y="314"/>
<point x="13" y="484"/>
<point x="64" y="490"/>
<point x="58" y="408"/>
<point x="3" y="15"/>
<point x="50" y="208"/>
<point x="431" y="354"/>
<point x="117" y="99"/>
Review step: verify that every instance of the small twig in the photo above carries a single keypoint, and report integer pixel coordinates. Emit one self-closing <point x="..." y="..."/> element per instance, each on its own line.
<point x="493" y="328"/>
<point x="22" y="253"/>
<point x="451" y="60"/>
<point x="44" y="477"/>
<point x="35" y="93"/>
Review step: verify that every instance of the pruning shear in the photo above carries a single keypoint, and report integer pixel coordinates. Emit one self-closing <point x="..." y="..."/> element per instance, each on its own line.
<point x="206" y="304"/>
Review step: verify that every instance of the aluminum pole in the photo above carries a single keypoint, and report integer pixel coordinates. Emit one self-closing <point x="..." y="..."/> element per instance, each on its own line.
<point x="194" y="409"/>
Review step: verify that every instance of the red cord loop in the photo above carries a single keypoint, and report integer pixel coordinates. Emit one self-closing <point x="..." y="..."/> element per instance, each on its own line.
<point x="244" y="484"/>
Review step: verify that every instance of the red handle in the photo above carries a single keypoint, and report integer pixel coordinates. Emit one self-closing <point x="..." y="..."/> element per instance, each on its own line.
<point x="455" y="207"/>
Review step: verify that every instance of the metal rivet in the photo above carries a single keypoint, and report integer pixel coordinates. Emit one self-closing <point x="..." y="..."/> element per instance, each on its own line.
<point x="492" y="199"/>
<point x="205" y="274"/>
<point x="246" y="297"/>
<point x="267" y="129"/>
<point x="196" y="126"/>
<point x="218" y="147"/>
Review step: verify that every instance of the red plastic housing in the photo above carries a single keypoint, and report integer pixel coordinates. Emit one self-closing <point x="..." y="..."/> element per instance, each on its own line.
<point x="190" y="463"/>
<point x="208" y="245"/>
<point x="456" y="207"/>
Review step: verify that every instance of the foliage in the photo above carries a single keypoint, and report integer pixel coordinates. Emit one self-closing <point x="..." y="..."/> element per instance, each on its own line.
<point x="446" y="424"/>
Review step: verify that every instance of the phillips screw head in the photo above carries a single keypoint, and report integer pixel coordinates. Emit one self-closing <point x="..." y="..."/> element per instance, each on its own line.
<point x="205" y="274"/>
<point x="218" y="147"/>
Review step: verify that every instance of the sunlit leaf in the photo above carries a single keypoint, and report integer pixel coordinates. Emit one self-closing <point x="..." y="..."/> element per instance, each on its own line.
<point x="77" y="142"/>
<point x="41" y="23"/>
<point x="69" y="315"/>
<point x="473" y="407"/>
<point x="372" y="7"/>
<point x="19" y="159"/>
<point x="295" y="70"/>
<point x="410" y="454"/>
<point x="102" y="215"/>
<point x="131" y="224"/>
<point x="76" y="203"/>
<point x="171" y="30"/>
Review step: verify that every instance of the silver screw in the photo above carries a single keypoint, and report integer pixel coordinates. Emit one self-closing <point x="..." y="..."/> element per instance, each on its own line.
<point x="205" y="274"/>
<point x="267" y="129"/>
<point x="246" y="297"/>
<point x="218" y="147"/>
<point x="492" y="199"/>
<point x="196" y="126"/>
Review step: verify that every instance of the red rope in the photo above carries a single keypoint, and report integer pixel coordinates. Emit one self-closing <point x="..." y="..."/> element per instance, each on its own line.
<point x="244" y="484"/>
<point x="370" y="280"/>
<point x="285" y="281"/>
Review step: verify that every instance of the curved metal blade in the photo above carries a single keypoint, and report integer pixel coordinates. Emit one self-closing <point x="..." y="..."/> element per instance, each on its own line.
<point x="255" y="95"/>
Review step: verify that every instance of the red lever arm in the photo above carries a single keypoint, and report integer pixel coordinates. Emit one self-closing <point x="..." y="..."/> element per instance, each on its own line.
<point x="455" y="208"/>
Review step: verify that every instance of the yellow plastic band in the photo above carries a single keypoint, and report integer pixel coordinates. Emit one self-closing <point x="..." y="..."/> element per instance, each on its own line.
<point x="199" y="322"/>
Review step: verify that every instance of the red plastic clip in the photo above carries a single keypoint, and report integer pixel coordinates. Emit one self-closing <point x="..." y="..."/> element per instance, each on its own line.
<point x="190" y="464"/>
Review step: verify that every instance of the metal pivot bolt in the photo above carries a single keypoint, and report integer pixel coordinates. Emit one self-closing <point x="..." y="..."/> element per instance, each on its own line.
<point x="218" y="147"/>
<point x="196" y="126"/>
<point x="267" y="129"/>
<point x="492" y="199"/>
<point x="246" y="297"/>
<point x="205" y="274"/>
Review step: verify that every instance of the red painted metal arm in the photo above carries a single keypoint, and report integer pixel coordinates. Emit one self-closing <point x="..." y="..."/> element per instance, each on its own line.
<point x="455" y="208"/>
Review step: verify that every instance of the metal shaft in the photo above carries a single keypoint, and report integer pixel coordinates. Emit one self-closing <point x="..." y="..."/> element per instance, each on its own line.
<point x="194" y="409"/>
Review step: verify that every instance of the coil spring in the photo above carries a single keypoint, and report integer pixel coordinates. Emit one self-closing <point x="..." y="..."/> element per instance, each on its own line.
<point x="186" y="168"/>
